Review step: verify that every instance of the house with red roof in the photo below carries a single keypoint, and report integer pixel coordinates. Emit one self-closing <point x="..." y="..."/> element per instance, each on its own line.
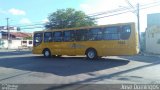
<point x="16" y="40"/>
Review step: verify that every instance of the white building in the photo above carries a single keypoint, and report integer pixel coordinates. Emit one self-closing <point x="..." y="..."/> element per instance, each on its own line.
<point x="17" y="40"/>
<point x="153" y="33"/>
<point x="153" y="39"/>
<point x="16" y="44"/>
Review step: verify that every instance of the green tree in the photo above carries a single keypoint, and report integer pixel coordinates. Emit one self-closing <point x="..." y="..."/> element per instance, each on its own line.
<point x="28" y="38"/>
<point x="68" y="18"/>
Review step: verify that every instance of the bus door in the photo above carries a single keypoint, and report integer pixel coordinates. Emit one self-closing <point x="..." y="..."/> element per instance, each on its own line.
<point x="37" y="43"/>
<point x="68" y="45"/>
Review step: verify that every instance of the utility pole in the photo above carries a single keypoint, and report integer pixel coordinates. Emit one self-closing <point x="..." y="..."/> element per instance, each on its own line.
<point x="138" y="22"/>
<point x="8" y="36"/>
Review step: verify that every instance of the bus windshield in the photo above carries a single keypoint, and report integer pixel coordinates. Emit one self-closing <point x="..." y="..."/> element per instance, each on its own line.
<point x="38" y="39"/>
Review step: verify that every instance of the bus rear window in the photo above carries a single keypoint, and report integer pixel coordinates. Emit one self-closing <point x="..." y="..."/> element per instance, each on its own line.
<point x="125" y="32"/>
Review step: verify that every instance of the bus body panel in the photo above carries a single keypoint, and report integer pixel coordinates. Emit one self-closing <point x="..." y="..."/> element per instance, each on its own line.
<point x="68" y="48"/>
<point x="103" y="47"/>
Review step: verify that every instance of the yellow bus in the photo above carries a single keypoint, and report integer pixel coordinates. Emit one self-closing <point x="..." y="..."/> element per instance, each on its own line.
<point x="96" y="41"/>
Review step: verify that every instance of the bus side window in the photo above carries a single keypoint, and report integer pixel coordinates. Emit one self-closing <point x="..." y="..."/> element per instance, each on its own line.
<point x="68" y="36"/>
<point x="125" y="32"/>
<point x="111" y="33"/>
<point x="81" y="35"/>
<point x="57" y="36"/>
<point x="48" y="37"/>
<point x="95" y="34"/>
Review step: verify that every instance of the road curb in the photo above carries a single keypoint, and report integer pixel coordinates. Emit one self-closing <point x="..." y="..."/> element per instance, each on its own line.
<point x="150" y="55"/>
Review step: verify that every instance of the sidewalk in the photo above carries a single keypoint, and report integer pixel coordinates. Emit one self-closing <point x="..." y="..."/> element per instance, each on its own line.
<point x="150" y="54"/>
<point x="13" y="50"/>
<point x="6" y="50"/>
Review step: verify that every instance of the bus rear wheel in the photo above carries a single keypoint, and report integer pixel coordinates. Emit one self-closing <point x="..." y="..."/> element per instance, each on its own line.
<point x="91" y="54"/>
<point x="47" y="53"/>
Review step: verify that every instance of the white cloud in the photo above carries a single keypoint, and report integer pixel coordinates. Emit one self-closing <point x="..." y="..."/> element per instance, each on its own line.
<point x="45" y="20"/>
<point x="94" y="6"/>
<point x="14" y="11"/>
<point x="25" y="21"/>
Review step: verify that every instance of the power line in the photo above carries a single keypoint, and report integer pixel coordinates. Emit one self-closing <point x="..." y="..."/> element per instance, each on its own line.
<point x="101" y="17"/>
<point x="111" y="11"/>
<point x="95" y="15"/>
<point x="130" y="4"/>
<point x="118" y="10"/>
<point x="124" y="12"/>
<point x="32" y="25"/>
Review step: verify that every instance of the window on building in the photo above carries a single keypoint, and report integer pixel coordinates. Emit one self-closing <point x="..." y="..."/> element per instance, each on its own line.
<point x="30" y="42"/>
<point x="48" y="37"/>
<point x="57" y="36"/>
<point x="24" y="42"/>
<point x="68" y="35"/>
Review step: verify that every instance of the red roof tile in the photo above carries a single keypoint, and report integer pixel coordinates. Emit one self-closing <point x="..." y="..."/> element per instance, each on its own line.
<point x="21" y="34"/>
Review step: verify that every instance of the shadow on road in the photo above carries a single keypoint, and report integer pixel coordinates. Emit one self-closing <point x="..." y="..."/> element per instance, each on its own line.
<point x="80" y="84"/>
<point x="64" y="66"/>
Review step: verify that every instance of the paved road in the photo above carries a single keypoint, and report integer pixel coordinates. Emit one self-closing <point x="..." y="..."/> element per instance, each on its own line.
<point x="21" y="67"/>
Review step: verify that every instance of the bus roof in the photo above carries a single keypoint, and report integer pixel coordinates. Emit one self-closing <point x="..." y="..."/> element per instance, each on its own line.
<point x="87" y="27"/>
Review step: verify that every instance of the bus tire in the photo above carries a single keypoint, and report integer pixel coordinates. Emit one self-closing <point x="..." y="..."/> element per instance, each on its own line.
<point x="91" y="54"/>
<point x="46" y="53"/>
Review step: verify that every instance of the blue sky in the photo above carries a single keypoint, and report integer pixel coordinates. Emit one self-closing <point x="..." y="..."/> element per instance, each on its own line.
<point x="36" y="11"/>
<point x="32" y="11"/>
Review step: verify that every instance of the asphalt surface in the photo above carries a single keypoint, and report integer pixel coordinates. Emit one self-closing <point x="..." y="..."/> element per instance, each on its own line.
<point x="22" y="67"/>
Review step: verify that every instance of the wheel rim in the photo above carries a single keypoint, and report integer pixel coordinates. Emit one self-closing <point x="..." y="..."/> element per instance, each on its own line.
<point x="91" y="54"/>
<point x="46" y="53"/>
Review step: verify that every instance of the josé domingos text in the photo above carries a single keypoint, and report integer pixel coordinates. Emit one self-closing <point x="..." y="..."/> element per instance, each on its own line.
<point x="140" y="87"/>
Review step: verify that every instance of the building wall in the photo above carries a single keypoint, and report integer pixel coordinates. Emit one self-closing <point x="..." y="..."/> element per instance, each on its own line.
<point x="153" y="33"/>
<point x="153" y="19"/>
<point x="15" y="44"/>
<point x="153" y="40"/>
<point x="3" y="43"/>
